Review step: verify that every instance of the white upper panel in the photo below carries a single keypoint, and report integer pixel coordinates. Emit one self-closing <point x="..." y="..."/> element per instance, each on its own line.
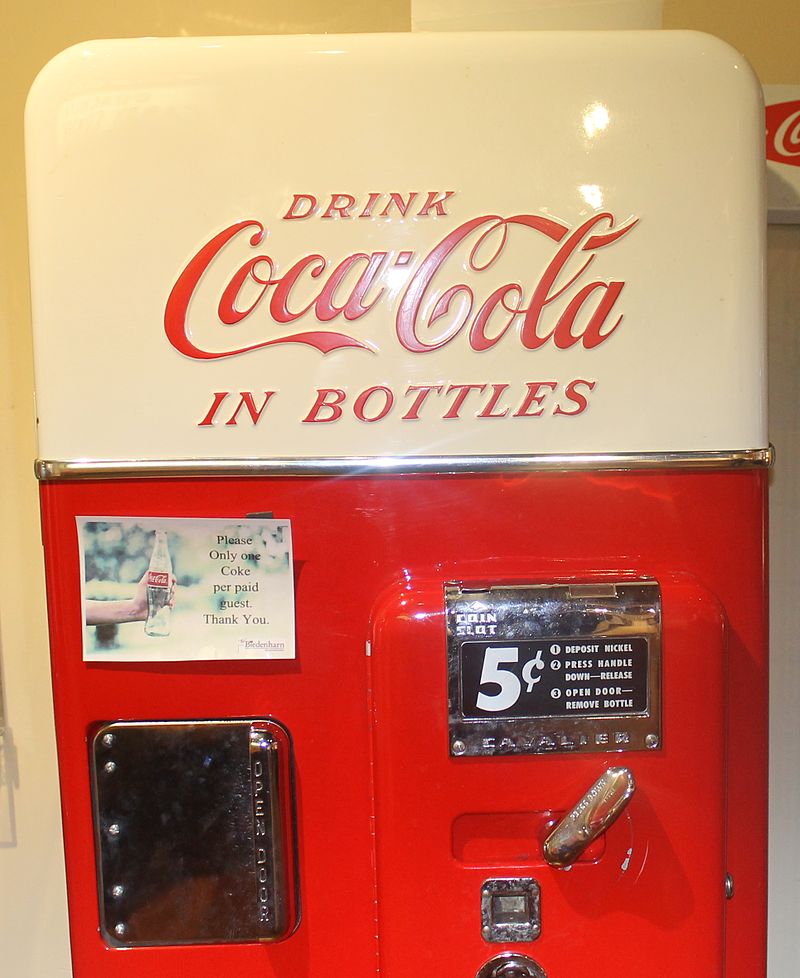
<point x="397" y="245"/>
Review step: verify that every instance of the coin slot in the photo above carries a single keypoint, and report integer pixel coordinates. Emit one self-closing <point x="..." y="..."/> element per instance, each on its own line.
<point x="511" y="909"/>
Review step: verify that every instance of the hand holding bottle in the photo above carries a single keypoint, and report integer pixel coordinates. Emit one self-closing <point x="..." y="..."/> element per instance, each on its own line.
<point x="131" y="609"/>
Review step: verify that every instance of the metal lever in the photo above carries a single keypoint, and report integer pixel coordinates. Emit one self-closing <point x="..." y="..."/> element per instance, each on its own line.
<point x="599" y="808"/>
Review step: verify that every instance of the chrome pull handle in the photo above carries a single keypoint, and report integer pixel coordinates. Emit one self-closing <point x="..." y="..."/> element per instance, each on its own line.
<point x="599" y="808"/>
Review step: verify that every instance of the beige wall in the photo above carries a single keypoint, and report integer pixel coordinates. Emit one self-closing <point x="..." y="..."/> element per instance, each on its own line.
<point x="784" y="365"/>
<point x="33" y="940"/>
<point x="767" y="32"/>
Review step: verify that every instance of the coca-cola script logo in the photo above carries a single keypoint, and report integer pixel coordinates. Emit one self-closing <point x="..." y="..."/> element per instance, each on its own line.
<point x="561" y="304"/>
<point x="783" y="132"/>
<point x="157" y="579"/>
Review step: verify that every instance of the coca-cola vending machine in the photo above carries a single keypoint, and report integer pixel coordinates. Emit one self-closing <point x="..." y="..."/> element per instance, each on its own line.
<point x="403" y="463"/>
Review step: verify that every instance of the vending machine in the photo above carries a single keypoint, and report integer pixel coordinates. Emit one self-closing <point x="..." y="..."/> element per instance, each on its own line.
<point x="403" y="463"/>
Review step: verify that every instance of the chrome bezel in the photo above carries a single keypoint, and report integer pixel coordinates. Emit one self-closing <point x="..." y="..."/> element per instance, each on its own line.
<point x="150" y="782"/>
<point x="595" y="610"/>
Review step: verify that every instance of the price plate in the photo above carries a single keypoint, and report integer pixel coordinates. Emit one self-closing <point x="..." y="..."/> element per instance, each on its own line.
<point x="544" y="668"/>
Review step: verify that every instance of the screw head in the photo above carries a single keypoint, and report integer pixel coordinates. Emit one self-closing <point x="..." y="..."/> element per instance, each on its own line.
<point x="108" y="739"/>
<point x="117" y="890"/>
<point x="114" y="829"/>
<point x="729" y="887"/>
<point x="458" y="746"/>
<point x="651" y="741"/>
<point x="109" y="767"/>
<point x="120" y="930"/>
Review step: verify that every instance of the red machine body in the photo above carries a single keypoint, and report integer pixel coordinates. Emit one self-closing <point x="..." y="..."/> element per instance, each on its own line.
<point x="390" y="827"/>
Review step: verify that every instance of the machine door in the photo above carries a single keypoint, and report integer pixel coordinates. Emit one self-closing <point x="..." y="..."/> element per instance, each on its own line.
<point x="194" y="830"/>
<point x="549" y="763"/>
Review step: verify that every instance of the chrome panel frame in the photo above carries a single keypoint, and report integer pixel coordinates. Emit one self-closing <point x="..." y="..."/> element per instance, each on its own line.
<point x="51" y="470"/>
<point x="602" y="609"/>
<point x="189" y="816"/>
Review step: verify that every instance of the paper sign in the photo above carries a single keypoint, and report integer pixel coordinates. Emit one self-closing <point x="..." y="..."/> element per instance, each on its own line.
<point x="159" y="590"/>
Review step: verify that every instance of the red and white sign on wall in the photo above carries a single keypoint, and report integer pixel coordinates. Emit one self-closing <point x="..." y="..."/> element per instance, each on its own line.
<point x="782" y="116"/>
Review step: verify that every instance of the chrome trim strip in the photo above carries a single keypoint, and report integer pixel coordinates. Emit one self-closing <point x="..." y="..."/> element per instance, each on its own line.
<point x="398" y="465"/>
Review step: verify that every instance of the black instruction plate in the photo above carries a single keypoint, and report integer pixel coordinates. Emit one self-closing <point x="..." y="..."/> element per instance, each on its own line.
<point x="555" y="677"/>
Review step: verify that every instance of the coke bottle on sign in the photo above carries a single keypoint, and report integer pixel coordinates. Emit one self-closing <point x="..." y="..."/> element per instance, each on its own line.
<point x="159" y="584"/>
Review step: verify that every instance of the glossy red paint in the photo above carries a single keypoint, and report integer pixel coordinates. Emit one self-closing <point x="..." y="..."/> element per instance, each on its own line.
<point x="363" y="546"/>
<point x="654" y="894"/>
